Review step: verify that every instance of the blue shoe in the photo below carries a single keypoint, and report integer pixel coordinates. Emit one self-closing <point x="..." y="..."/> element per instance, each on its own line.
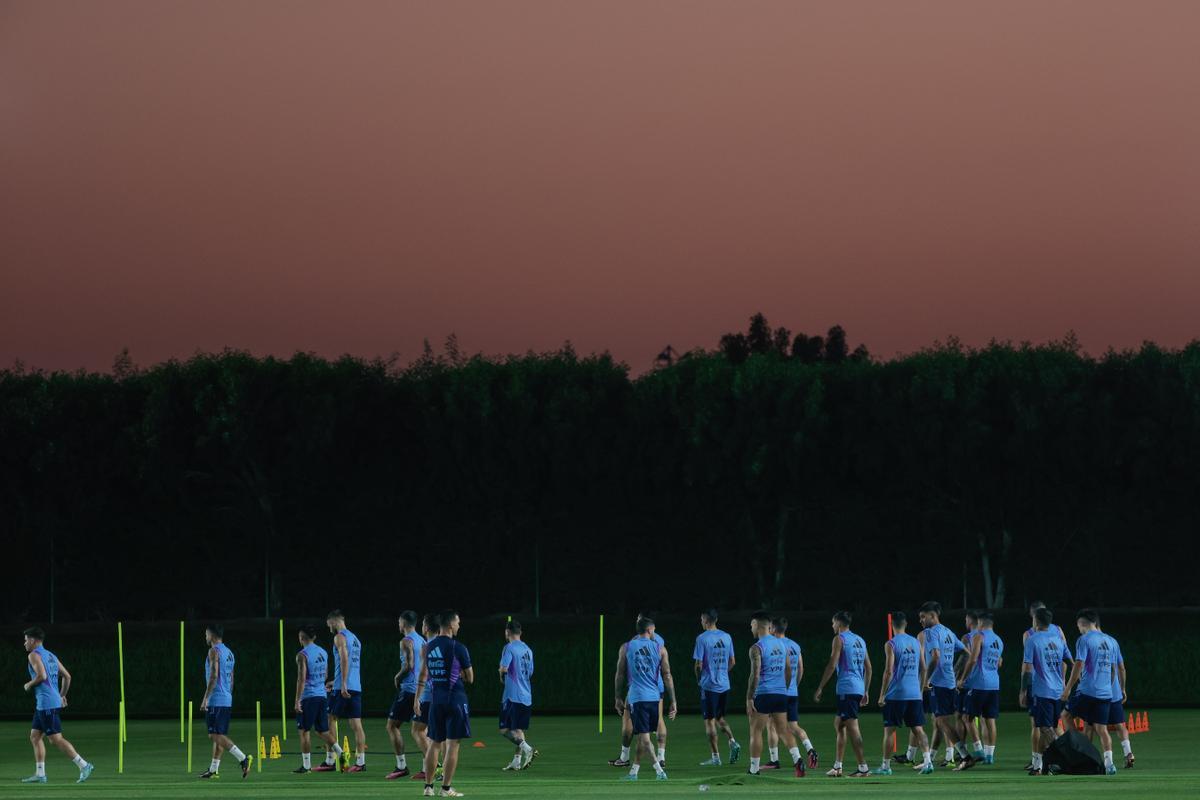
<point x="86" y="772"/>
<point x="887" y="771"/>
<point x="735" y="751"/>
<point x="712" y="762"/>
<point x="660" y="776"/>
<point x="927" y="769"/>
<point x="34" y="779"/>
<point x="628" y="777"/>
<point x="989" y="759"/>
<point x="1111" y="769"/>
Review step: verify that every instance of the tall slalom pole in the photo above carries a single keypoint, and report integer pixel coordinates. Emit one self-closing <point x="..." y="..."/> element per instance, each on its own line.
<point x="181" y="728"/>
<point x="121" y="737"/>
<point x="282" y="691"/>
<point x="121" y="668"/>
<point x="189" y="738"/>
<point x="600" y="681"/>
<point x="258" y="731"/>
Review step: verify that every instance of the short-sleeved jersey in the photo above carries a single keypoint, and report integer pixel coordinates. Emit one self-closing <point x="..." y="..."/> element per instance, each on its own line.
<point x="793" y="657"/>
<point x="1118" y="659"/>
<point x="316" y="664"/>
<point x="986" y="673"/>
<point x="1044" y="653"/>
<point x="517" y="663"/>
<point x="772" y="658"/>
<point x="940" y="638"/>
<point x="46" y="692"/>
<point x="446" y="658"/>
<point x="1057" y="631"/>
<point x="851" y="665"/>
<point x="906" y="668"/>
<point x="409" y="684"/>
<point x="643" y="670"/>
<point x="222" y="693"/>
<point x="1095" y="650"/>
<point x="354" y="657"/>
<point x="713" y="649"/>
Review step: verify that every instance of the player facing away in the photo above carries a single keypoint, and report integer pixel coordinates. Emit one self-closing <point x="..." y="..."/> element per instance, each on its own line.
<point x="644" y="665"/>
<point x="969" y="734"/>
<point x="982" y="681"/>
<point x="900" y="693"/>
<point x="344" y="690"/>
<point x="712" y="660"/>
<point x="49" y="681"/>
<point x="411" y="644"/>
<point x="218" y="701"/>
<point x="446" y="669"/>
<point x="1093" y="672"/>
<point x="779" y="627"/>
<point x="1035" y="733"/>
<point x="431" y="626"/>
<point x="1116" y="709"/>
<point x="940" y="645"/>
<point x="766" y="692"/>
<point x="312" y="664"/>
<point x="849" y="659"/>
<point x="626" y="719"/>
<point x="1042" y="680"/>
<point x="516" y="707"/>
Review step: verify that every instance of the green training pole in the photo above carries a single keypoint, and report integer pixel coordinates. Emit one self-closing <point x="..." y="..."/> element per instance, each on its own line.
<point x="282" y="691"/>
<point x="258" y="731"/>
<point x="181" y="731"/>
<point x="189" y="738"/>
<point x="600" y="704"/>
<point x="121" y="667"/>
<point x="121" y="737"/>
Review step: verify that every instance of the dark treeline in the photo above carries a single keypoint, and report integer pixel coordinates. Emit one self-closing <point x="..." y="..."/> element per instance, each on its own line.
<point x="766" y="473"/>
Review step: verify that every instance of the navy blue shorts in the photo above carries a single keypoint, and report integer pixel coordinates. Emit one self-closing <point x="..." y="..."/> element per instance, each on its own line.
<point x="1116" y="713"/>
<point x="793" y="708"/>
<point x="515" y="716"/>
<point x="771" y="703"/>
<point x="712" y="704"/>
<point x="422" y="715"/>
<point x="345" y="707"/>
<point x="1045" y="711"/>
<point x="402" y="708"/>
<point x="848" y="704"/>
<point x="984" y="703"/>
<point x="47" y="721"/>
<point x="313" y="715"/>
<point x="944" y="701"/>
<point x="903" y="714"/>
<point x="644" y="716"/>
<point x="1073" y="702"/>
<point x="1092" y="710"/>
<point x="449" y="721"/>
<point x="927" y="701"/>
<point x="960" y="700"/>
<point x="217" y="719"/>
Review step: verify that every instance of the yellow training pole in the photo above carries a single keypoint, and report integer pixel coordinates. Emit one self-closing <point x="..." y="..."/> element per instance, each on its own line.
<point x="282" y="692"/>
<point x="120" y="737"/>
<point x="181" y="731"/>
<point x="600" y="705"/>
<point x="121" y="667"/>
<point x="258" y="729"/>
<point x="189" y="737"/>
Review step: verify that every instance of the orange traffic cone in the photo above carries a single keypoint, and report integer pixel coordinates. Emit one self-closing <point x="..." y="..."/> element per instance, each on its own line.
<point x="1145" y="722"/>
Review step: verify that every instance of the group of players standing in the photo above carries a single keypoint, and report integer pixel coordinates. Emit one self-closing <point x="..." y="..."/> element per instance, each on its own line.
<point x="955" y="679"/>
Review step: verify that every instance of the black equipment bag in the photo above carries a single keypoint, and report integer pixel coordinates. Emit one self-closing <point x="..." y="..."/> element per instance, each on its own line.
<point x="1072" y="754"/>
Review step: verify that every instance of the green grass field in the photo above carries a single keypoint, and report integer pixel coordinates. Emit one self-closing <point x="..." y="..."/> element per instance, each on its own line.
<point x="572" y="764"/>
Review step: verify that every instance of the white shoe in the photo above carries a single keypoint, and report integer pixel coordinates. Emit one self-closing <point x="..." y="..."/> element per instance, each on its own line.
<point x="428" y="791"/>
<point x="450" y="793"/>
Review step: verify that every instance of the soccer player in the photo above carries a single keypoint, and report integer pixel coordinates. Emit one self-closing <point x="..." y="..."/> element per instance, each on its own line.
<point x="1093" y="672"/>
<point x="345" y="689"/>
<point x="1035" y="735"/>
<point x="766" y="692"/>
<point x="1042" y="677"/>
<point x="644" y="664"/>
<point x="312" y="663"/>
<point x="1116" y="709"/>
<point x="516" y="668"/>
<point x="968" y="732"/>
<point x="713" y="659"/>
<point x="446" y="667"/>
<point x="431" y="626"/>
<point x="939" y="646"/>
<point x="411" y="644"/>
<point x="982" y="681"/>
<point x="45" y="674"/>
<point x="850" y="660"/>
<point x="218" y="701"/>
<point x="779" y="627"/>
<point x="900" y="693"/>
<point x="626" y="719"/>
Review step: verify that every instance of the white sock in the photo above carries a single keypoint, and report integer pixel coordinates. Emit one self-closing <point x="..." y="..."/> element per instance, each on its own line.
<point x="1037" y="760"/>
<point x="977" y="746"/>
<point x="400" y="762"/>
<point x="950" y="753"/>
<point x="989" y="750"/>
<point x="716" y="756"/>
<point x="1127" y="747"/>
<point x="837" y="765"/>
<point x="215" y="765"/>
<point x="79" y="762"/>
<point x="306" y="760"/>
<point x="633" y="770"/>
<point x="658" y="767"/>
<point x="525" y="748"/>
<point x="1108" y="758"/>
<point x="864" y="767"/>
<point x="516" y="762"/>
<point x="662" y="754"/>
<point x="912" y="753"/>
<point x="928" y="758"/>
<point x="238" y="755"/>
<point x="886" y="764"/>
<point x="807" y="745"/>
<point x="39" y="768"/>
<point x="774" y="753"/>
<point x="336" y="751"/>
<point x="794" y="752"/>
<point x="361" y="760"/>
<point x="624" y="753"/>
<point x="754" y="765"/>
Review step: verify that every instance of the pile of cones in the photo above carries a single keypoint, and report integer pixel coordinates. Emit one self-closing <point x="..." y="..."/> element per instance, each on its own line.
<point x="1137" y="723"/>
<point x="276" y="751"/>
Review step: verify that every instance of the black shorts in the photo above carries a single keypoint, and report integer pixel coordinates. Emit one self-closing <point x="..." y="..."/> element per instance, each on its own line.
<point x="313" y="715"/>
<point x="771" y="703"/>
<point x="944" y="701"/>
<point x="1092" y="710"/>
<point x="793" y="709"/>
<point x="515" y="716"/>
<point x="984" y="703"/>
<point x="422" y="715"/>
<point x="217" y="719"/>
<point x="402" y="708"/>
<point x="712" y="704"/>
<point x="848" y="705"/>
<point x="47" y="722"/>
<point x="903" y="714"/>
<point x="345" y="707"/>
<point x="644" y="716"/>
<point x="449" y="721"/>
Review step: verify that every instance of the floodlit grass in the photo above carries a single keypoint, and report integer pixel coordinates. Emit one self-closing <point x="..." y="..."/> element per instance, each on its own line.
<point x="572" y="764"/>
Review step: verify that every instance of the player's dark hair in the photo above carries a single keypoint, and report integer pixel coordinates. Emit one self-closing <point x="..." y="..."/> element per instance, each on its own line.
<point x="986" y="618"/>
<point x="216" y="628"/>
<point x="899" y="619"/>
<point x="646" y="614"/>
<point x="972" y="615"/>
<point x="1090" y="614"/>
<point x="780" y="624"/>
<point x="762" y="615"/>
<point x="931" y="607"/>
<point x="309" y="631"/>
<point x="512" y="626"/>
<point x="644" y="624"/>
<point x="448" y="616"/>
<point x="410" y="617"/>
<point x="709" y="614"/>
<point x="35" y="633"/>
<point x="843" y="618"/>
<point x="337" y="613"/>
<point x="1043" y="617"/>
<point x="433" y="622"/>
<point x="1035" y="605"/>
